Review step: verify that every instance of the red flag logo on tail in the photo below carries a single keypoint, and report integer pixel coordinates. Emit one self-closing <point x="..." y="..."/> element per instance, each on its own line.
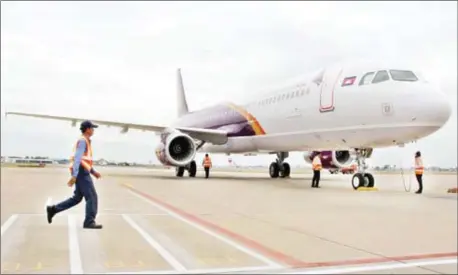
<point x="348" y="81"/>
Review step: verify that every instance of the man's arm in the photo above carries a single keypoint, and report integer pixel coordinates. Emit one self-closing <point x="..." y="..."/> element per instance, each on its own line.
<point x="93" y="170"/>
<point x="81" y="147"/>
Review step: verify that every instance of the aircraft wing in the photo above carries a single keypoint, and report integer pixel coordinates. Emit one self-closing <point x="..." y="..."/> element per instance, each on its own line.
<point x="208" y="135"/>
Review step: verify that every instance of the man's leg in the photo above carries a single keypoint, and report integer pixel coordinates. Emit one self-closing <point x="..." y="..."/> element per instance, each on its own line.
<point x="318" y="175"/>
<point x="68" y="203"/>
<point x="420" y="184"/>
<point x="206" y="172"/>
<point x="90" y="195"/>
<point x="314" y="179"/>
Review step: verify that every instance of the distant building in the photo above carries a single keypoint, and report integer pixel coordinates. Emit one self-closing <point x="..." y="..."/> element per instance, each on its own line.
<point x="102" y="162"/>
<point x="40" y="161"/>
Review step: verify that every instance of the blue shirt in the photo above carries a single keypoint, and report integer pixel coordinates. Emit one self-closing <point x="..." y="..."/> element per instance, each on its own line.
<point x="80" y="148"/>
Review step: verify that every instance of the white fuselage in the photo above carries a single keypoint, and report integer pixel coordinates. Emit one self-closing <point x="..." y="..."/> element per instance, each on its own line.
<point x="319" y="113"/>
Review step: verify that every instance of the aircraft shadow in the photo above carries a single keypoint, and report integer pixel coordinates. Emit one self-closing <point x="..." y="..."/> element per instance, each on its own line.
<point x="299" y="182"/>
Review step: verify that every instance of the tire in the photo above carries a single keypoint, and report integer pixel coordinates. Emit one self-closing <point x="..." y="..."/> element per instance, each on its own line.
<point x="274" y="170"/>
<point x="357" y="181"/>
<point x="369" y="180"/>
<point x="286" y="170"/>
<point x="192" y="169"/>
<point x="179" y="171"/>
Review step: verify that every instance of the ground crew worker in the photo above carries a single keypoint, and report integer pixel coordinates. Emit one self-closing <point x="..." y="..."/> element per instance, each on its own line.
<point x="419" y="171"/>
<point x="316" y="166"/>
<point x="207" y="164"/>
<point x="81" y="170"/>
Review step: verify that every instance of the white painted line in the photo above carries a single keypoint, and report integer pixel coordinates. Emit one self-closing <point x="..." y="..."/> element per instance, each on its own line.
<point x="8" y="223"/>
<point x="98" y="214"/>
<point x="248" y="251"/>
<point x="76" y="266"/>
<point x="160" y="249"/>
<point x="201" y="271"/>
<point x="373" y="267"/>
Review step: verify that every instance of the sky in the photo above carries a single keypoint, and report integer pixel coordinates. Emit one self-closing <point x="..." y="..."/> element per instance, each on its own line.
<point x="117" y="61"/>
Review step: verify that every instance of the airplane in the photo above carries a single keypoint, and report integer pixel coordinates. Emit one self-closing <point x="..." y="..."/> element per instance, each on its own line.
<point x="343" y="110"/>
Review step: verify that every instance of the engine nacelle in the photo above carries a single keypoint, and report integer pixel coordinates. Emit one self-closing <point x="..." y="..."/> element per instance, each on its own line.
<point x="332" y="159"/>
<point x="175" y="148"/>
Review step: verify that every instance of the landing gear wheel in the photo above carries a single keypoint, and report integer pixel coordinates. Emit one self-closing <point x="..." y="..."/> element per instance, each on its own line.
<point x="357" y="180"/>
<point x="284" y="173"/>
<point x="362" y="180"/>
<point x="274" y="170"/>
<point x="192" y="169"/>
<point x="179" y="171"/>
<point x="369" y="180"/>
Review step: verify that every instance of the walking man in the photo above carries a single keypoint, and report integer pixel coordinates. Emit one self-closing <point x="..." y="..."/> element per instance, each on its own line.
<point x="81" y="170"/>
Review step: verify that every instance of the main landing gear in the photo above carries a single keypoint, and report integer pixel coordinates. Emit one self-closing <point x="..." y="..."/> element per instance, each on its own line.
<point x="191" y="167"/>
<point x="280" y="168"/>
<point x="361" y="178"/>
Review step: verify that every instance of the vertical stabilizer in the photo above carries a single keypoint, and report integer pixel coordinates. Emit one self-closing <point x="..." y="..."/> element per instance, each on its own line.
<point x="182" y="105"/>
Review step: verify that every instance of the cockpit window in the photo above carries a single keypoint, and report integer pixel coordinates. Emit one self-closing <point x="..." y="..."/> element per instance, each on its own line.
<point x="366" y="79"/>
<point x="381" y="76"/>
<point x="399" y="75"/>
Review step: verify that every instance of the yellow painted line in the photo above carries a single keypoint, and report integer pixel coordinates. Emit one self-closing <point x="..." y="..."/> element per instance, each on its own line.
<point x="127" y="185"/>
<point x="367" y="189"/>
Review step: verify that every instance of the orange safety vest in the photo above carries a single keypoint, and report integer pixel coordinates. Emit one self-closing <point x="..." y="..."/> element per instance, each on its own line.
<point x="316" y="164"/>
<point x="419" y="166"/>
<point x="86" y="159"/>
<point x="207" y="162"/>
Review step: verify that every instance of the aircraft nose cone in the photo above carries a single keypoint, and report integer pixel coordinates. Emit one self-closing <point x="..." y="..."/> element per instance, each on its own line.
<point x="443" y="108"/>
<point x="435" y="107"/>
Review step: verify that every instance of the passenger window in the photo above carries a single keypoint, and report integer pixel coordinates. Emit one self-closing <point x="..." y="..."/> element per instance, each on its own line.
<point x="366" y="79"/>
<point x="381" y="76"/>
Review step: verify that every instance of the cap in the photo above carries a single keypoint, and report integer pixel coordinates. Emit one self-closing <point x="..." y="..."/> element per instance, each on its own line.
<point x="87" y="124"/>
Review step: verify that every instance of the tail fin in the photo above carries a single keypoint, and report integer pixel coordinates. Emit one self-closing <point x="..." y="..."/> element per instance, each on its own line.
<point x="182" y="105"/>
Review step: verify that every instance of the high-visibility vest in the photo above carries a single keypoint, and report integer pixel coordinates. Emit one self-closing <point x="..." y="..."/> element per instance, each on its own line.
<point x="86" y="159"/>
<point x="419" y="166"/>
<point x="207" y="162"/>
<point x="316" y="163"/>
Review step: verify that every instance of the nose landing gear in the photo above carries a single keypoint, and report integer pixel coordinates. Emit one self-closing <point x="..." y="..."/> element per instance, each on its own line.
<point x="361" y="178"/>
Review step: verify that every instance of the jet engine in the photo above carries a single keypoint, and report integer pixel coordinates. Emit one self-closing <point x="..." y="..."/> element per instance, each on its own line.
<point x="332" y="159"/>
<point x="176" y="148"/>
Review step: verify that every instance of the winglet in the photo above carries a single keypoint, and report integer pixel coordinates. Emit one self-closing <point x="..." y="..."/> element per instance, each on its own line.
<point x="182" y="105"/>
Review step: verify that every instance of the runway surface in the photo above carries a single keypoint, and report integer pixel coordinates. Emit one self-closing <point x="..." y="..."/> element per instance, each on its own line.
<point x="233" y="222"/>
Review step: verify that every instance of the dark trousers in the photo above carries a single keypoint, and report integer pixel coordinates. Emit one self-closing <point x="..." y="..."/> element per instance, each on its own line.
<point x="420" y="183"/>
<point x="84" y="187"/>
<point x="316" y="178"/>
<point x="207" y="172"/>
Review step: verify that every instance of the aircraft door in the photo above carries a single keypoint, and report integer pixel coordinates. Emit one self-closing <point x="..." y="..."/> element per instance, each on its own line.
<point x="331" y="76"/>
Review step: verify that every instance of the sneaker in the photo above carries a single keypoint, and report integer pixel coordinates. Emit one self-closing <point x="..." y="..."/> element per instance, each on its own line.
<point x="93" y="226"/>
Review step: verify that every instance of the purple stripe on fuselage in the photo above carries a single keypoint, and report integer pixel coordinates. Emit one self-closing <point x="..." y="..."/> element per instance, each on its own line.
<point x="220" y="117"/>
